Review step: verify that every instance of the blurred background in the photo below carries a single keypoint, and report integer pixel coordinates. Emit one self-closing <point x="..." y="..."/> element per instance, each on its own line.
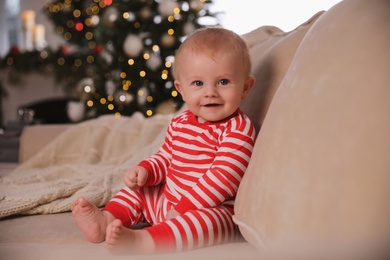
<point x="243" y="16"/>
<point x="65" y="61"/>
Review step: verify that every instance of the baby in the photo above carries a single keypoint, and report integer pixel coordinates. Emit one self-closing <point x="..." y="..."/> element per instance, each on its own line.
<point x="186" y="190"/>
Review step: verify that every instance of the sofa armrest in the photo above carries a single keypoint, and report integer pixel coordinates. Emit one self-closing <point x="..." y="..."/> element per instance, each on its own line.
<point x="35" y="137"/>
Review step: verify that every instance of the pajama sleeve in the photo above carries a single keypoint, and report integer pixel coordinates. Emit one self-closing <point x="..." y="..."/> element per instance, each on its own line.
<point x="222" y="179"/>
<point x="158" y="164"/>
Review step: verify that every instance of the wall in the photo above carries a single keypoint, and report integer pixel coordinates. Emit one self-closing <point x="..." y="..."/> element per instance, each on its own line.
<point x="285" y="14"/>
<point x="33" y="87"/>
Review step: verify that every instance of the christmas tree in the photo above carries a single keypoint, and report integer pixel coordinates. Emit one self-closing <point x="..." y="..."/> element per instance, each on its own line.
<point x="123" y="50"/>
<point x="118" y="53"/>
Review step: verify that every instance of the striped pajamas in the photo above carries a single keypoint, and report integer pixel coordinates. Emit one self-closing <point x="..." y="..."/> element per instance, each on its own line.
<point x="197" y="172"/>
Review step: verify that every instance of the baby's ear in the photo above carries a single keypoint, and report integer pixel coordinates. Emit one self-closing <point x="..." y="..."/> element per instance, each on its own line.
<point x="178" y="88"/>
<point x="249" y="83"/>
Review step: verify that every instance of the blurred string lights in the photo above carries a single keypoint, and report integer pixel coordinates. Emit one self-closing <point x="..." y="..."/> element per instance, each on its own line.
<point x="118" y="53"/>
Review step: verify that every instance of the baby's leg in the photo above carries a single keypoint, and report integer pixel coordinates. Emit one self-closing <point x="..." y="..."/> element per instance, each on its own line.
<point x="91" y="220"/>
<point x="120" y="239"/>
<point x="146" y="203"/>
<point x="195" y="229"/>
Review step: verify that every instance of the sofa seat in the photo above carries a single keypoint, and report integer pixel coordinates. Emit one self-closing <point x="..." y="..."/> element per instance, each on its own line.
<point x="55" y="236"/>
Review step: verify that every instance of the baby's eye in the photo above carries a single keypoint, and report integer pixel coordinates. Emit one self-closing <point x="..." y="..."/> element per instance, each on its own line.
<point x="224" y="81"/>
<point x="198" y="83"/>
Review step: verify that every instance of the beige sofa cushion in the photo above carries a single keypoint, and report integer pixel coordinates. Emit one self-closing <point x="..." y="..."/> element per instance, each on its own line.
<point x="271" y="52"/>
<point x="320" y="170"/>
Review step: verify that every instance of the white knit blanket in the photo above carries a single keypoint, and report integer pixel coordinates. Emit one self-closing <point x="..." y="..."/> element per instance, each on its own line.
<point x="89" y="159"/>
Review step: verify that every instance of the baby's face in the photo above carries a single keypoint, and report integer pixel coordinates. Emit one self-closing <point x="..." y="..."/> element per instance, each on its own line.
<point x="212" y="87"/>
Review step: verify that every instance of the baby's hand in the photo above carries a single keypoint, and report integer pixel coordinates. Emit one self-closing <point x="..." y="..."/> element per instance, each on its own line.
<point x="136" y="177"/>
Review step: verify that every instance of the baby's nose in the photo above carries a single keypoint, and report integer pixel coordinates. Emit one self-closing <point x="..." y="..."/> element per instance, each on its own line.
<point x="210" y="90"/>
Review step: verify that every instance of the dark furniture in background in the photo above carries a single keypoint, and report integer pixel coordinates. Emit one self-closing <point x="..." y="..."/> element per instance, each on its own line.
<point x="47" y="111"/>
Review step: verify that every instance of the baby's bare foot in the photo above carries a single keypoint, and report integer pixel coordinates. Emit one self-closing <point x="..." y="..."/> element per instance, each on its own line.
<point x="120" y="239"/>
<point x="91" y="220"/>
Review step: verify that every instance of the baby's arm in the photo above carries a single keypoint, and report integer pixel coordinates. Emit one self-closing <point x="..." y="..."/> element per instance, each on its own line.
<point x="221" y="181"/>
<point x="157" y="165"/>
<point x="136" y="177"/>
<point x="151" y="171"/>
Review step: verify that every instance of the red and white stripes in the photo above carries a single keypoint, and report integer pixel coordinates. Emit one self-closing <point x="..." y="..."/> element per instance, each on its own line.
<point x="197" y="172"/>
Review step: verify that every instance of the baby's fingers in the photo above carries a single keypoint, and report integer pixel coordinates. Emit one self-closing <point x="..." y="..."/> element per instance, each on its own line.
<point x="142" y="178"/>
<point x="131" y="181"/>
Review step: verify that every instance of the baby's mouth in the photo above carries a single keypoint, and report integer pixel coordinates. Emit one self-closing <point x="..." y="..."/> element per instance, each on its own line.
<point x="212" y="105"/>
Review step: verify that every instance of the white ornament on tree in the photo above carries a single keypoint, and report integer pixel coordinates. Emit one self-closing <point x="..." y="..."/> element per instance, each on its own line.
<point x="110" y="16"/>
<point x="107" y="56"/>
<point x="166" y="7"/>
<point x="95" y="20"/>
<point x="75" y="111"/>
<point x="85" y="87"/>
<point x="123" y="97"/>
<point x="110" y="87"/>
<point x="167" y="40"/>
<point x="154" y="61"/>
<point x="196" y="5"/>
<point x="143" y="93"/>
<point x="146" y="13"/>
<point x="188" y="28"/>
<point x="133" y="45"/>
<point x="130" y="16"/>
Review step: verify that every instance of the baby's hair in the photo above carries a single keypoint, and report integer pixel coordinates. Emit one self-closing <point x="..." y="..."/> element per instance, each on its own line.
<point x="215" y="40"/>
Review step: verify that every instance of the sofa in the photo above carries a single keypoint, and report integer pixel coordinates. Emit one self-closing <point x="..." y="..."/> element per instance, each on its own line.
<point x="317" y="183"/>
